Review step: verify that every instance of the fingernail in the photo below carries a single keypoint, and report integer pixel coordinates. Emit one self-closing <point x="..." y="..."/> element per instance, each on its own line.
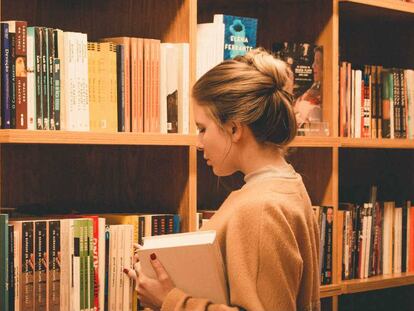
<point x="125" y="270"/>
<point x="153" y="256"/>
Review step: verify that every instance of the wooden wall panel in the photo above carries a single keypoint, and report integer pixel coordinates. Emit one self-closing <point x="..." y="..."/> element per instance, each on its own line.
<point x="390" y="169"/>
<point x="95" y="178"/>
<point x="165" y="20"/>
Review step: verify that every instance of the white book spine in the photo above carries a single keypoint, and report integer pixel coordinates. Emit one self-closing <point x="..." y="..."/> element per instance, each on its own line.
<point x="185" y="52"/>
<point x="163" y="87"/>
<point x="127" y="283"/>
<point x="358" y="81"/>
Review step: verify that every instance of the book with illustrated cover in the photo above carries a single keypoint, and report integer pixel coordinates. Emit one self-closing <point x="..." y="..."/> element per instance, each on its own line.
<point x="239" y="34"/>
<point x="193" y="261"/>
<point x="306" y="62"/>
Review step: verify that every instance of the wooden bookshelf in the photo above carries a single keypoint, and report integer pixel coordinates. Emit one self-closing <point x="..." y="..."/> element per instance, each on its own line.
<point x="330" y="290"/>
<point x="165" y="173"/>
<point x="376" y="143"/>
<point x="363" y="6"/>
<point x="303" y="141"/>
<point x="377" y="282"/>
<point x="90" y="138"/>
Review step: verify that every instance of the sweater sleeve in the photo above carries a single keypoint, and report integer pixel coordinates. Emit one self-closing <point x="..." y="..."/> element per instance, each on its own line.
<point x="263" y="265"/>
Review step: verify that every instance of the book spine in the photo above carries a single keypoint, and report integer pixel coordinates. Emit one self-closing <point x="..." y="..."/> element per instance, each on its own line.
<point x="51" y="73"/>
<point x="27" y="277"/>
<point x="56" y="93"/>
<point x="5" y="74"/>
<point x="40" y="274"/>
<point x="107" y="267"/>
<point x="21" y="75"/>
<point x="54" y="266"/>
<point x="11" y="267"/>
<point x="12" y="74"/>
<point x="4" y="265"/>
<point x="31" y="85"/>
<point x="120" y="75"/>
<point x="38" y="77"/>
<point x="93" y="294"/>
<point x="45" y="78"/>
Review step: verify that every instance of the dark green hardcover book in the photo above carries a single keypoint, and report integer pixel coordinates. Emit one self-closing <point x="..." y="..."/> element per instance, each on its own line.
<point x="54" y="265"/>
<point x="4" y="257"/>
<point x="40" y="276"/>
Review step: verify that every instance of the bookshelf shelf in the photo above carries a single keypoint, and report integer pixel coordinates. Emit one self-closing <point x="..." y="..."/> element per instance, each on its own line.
<point x="89" y="138"/>
<point x="362" y="6"/>
<point x="377" y="282"/>
<point x="330" y="290"/>
<point x="302" y="141"/>
<point x="377" y="143"/>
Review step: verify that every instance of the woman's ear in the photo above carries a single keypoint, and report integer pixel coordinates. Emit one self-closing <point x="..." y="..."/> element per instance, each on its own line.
<point x="236" y="131"/>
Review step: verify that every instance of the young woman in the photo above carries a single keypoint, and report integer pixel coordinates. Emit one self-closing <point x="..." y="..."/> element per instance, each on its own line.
<point x="266" y="230"/>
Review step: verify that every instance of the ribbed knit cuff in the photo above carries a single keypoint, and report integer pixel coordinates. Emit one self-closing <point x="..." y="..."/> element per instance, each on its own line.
<point x="174" y="297"/>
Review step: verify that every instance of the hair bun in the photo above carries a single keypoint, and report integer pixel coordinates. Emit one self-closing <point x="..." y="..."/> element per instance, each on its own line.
<point x="276" y="69"/>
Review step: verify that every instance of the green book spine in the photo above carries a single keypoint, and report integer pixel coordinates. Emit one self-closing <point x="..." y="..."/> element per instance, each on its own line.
<point x="4" y="258"/>
<point x="91" y="267"/>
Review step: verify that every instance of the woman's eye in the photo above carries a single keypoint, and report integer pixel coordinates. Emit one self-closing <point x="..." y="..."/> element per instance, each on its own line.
<point x="201" y="130"/>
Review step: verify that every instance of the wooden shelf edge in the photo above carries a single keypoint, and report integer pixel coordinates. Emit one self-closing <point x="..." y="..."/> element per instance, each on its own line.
<point x="330" y="290"/>
<point x="377" y="282"/>
<point x="394" y="5"/>
<point x="316" y="142"/>
<point x="377" y="143"/>
<point x="91" y="138"/>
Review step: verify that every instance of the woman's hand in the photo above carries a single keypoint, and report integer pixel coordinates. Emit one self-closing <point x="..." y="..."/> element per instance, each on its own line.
<point x="151" y="292"/>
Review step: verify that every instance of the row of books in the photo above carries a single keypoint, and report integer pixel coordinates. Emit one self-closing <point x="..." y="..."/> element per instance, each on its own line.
<point x="56" y="80"/>
<point x="376" y="102"/>
<point x="73" y="264"/>
<point x="378" y="238"/>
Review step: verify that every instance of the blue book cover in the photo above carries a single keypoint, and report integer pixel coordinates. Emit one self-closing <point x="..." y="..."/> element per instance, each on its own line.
<point x="239" y="34"/>
<point x="5" y="74"/>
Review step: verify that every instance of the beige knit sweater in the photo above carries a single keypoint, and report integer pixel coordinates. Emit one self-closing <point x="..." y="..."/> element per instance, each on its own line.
<point x="269" y="241"/>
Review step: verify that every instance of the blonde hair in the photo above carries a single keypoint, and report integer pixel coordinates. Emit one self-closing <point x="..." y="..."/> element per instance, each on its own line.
<point x="252" y="89"/>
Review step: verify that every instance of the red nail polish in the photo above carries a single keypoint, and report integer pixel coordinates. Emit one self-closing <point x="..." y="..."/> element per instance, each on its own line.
<point x="126" y="270"/>
<point x="153" y="256"/>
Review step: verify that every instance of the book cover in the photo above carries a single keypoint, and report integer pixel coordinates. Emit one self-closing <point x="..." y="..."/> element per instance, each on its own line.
<point x="53" y="284"/>
<point x="41" y="264"/>
<point x="193" y="261"/>
<point x="239" y="34"/>
<point x="306" y="62"/>
<point x="5" y="76"/>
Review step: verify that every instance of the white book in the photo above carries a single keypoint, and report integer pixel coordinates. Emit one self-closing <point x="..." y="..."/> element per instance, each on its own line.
<point x="112" y="288"/>
<point x="60" y="53"/>
<point x="128" y="231"/>
<point x="208" y="46"/>
<point x="193" y="261"/>
<point x="69" y="80"/>
<point x="358" y="81"/>
<point x="183" y="87"/>
<point x="168" y="82"/>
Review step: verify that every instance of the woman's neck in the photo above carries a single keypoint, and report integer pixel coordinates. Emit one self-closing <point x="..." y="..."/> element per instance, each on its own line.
<point x="258" y="156"/>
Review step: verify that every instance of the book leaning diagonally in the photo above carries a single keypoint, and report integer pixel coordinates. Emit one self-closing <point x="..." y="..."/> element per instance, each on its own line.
<point x="193" y="261"/>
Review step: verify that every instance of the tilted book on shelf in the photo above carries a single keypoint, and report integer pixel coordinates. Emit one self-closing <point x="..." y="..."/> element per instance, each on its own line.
<point x="306" y="63"/>
<point x="193" y="260"/>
